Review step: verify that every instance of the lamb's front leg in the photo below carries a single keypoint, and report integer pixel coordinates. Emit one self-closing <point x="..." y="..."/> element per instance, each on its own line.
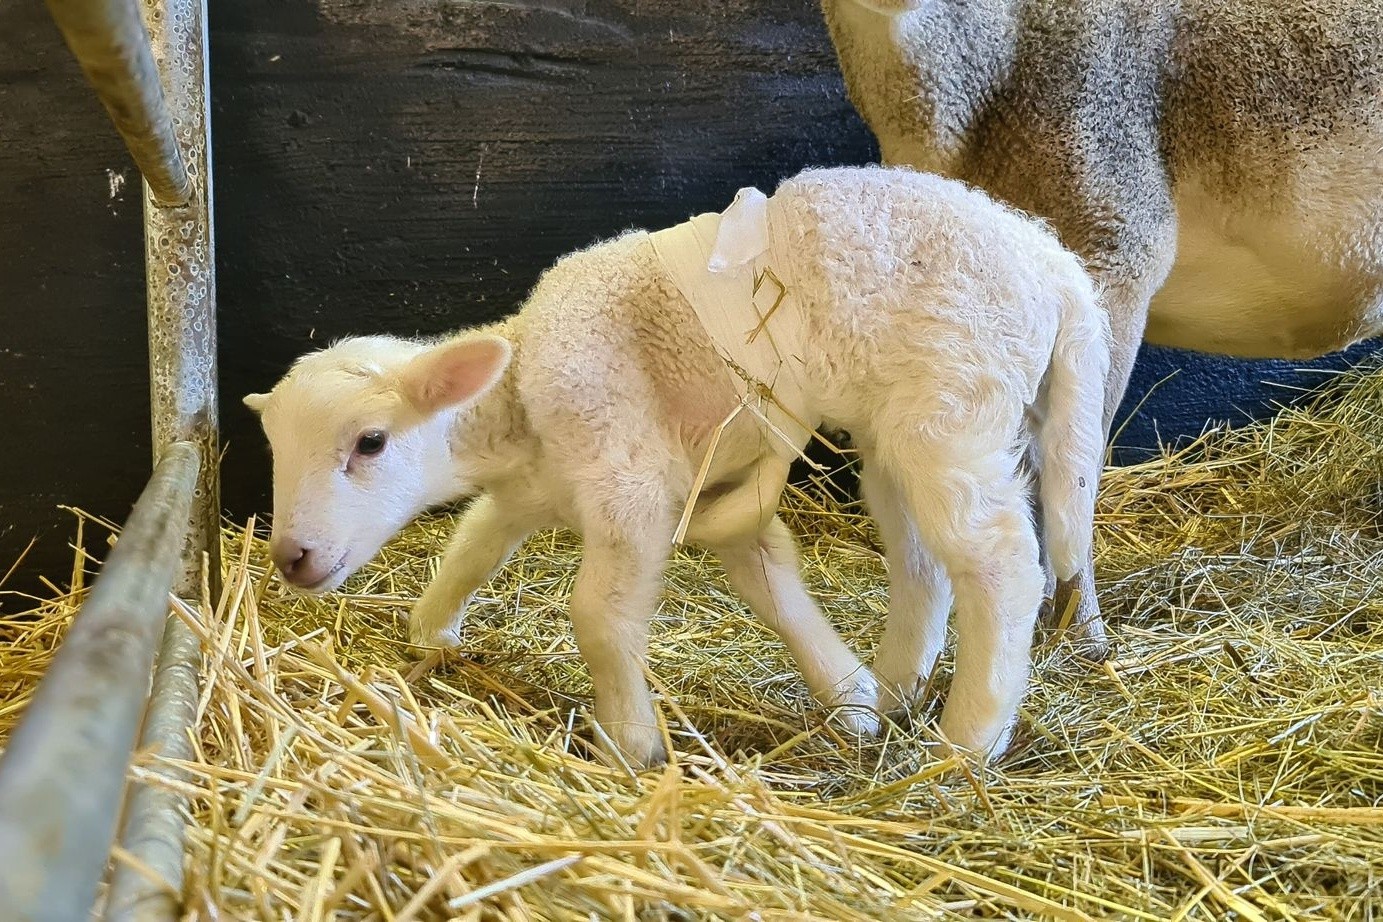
<point x="484" y="539"/>
<point x="612" y="603"/>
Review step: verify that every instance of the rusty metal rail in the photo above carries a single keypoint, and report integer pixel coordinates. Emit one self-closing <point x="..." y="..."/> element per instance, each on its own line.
<point x="63" y="771"/>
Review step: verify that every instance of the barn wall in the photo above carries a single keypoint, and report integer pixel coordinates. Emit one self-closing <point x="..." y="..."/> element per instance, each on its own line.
<point x="406" y="166"/>
<point x="73" y="391"/>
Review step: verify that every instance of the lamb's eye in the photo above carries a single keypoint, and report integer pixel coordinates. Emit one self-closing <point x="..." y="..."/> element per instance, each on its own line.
<point x="371" y="443"/>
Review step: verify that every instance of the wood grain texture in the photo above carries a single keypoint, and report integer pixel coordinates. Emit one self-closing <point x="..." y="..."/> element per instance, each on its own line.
<point x="406" y="166"/>
<point x="72" y="345"/>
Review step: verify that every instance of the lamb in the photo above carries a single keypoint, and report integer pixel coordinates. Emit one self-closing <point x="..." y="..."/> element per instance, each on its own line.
<point x="947" y="334"/>
<point x="1218" y="164"/>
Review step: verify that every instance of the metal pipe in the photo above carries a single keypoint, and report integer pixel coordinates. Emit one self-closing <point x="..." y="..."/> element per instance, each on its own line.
<point x="180" y="274"/>
<point x="180" y="271"/>
<point x="110" y="43"/>
<point x="154" y="821"/>
<point x="62" y="774"/>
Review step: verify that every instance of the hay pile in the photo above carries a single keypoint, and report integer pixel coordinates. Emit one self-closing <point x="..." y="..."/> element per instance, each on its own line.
<point x="1226" y="763"/>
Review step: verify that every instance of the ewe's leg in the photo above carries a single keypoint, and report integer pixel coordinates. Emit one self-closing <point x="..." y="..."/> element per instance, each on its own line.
<point x="973" y="513"/>
<point x="612" y="603"/>
<point x="1086" y="625"/>
<point x="1113" y="206"/>
<point x="484" y="539"/>
<point x="1126" y="301"/>
<point x="919" y="595"/>
<point x="765" y="572"/>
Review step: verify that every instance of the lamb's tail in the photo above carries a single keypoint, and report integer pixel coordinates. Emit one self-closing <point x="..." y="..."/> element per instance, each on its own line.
<point x="1070" y="435"/>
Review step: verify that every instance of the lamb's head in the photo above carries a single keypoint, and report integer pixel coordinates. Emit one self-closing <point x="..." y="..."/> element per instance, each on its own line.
<point x="361" y="436"/>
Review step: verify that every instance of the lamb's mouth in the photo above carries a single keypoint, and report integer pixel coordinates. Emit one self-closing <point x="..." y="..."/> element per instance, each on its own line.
<point x="320" y="585"/>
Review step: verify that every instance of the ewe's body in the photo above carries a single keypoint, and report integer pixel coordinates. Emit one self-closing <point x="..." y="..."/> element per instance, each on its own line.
<point x="936" y="333"/>
<point x="1219" y="165"/>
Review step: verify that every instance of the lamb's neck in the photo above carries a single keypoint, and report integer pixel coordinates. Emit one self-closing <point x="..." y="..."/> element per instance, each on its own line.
<point x="492" y="441"/>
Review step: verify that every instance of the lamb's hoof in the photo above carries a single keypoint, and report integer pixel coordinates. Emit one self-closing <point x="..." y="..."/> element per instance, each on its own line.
<point x="1084" y="625"/>
<point x="972" y="741"/>
<point x="855" y="704"/>
<point x="895" y="703"/>
<point x="423" y="634"/>
<point x="635" y="746"/>
<point x="901" y="691"/>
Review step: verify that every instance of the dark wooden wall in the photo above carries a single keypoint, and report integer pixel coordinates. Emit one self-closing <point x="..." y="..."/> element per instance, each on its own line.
<point x="402" y="166"/>
<point x="73" y="391"/>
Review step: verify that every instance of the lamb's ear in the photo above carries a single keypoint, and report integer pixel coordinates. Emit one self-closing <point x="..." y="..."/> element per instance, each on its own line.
<point x="454" y="373"/>
<point x="256" y="402"/>
<point x="743" y="233"/>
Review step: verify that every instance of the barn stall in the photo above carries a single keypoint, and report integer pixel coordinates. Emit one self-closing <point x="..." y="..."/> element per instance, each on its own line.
<point x="1222" y="764"/>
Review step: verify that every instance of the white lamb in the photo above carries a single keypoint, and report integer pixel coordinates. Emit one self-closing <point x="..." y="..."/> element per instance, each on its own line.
<point x="948" y="334"/>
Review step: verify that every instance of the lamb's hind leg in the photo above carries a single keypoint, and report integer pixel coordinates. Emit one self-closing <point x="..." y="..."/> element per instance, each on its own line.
<point x="919" y="595"/>
<point x="766" y="573"/>
<point x="970" y="507"/>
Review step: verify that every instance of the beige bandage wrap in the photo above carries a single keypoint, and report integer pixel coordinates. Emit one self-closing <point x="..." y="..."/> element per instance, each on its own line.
<point x="730" y="267"/>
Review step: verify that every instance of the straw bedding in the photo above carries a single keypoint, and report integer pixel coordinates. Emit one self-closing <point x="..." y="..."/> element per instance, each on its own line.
<point x="1225" y="763"/>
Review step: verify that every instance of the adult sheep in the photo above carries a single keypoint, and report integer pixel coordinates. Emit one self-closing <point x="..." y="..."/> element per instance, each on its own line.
<point x="1217" y="163"/>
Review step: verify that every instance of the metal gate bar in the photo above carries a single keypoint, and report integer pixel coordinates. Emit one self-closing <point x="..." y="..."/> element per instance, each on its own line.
<point x="108" y="39"/>
<point x="63" y="774"/>
<point x="63" y="771"/>
<point x="180" y="273"/>
<point x="154" y="823"/>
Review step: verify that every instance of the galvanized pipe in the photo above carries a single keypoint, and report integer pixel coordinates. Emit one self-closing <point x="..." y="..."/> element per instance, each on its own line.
<point x="154" y="820"/>
<point x="109" y="41"/>
<point x="62" y="774"/>
<point x="180" y="275"/>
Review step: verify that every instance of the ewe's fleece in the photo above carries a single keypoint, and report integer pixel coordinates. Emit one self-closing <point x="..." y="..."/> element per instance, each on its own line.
<point x="1218" y="164"/>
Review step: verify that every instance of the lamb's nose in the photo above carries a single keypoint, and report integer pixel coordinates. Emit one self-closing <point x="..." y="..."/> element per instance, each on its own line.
<point x="294" y="561"/>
